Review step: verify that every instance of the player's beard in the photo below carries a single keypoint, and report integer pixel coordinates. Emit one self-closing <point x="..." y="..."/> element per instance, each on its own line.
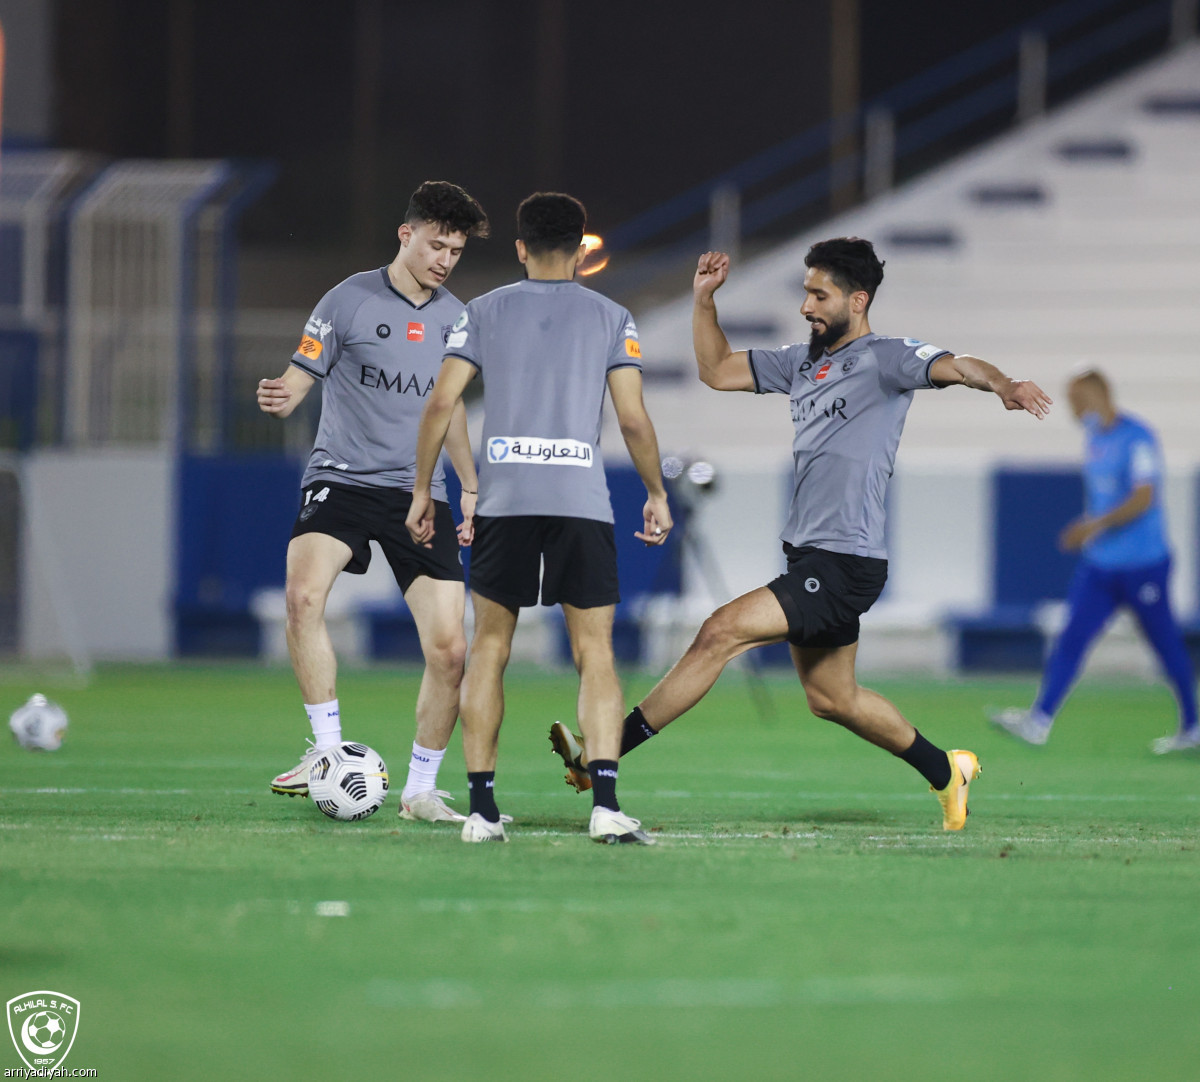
<point x="819" y="342"/>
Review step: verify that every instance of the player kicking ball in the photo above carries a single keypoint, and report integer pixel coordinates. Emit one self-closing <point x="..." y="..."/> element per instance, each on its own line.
<point x="850" y="390"/>
<point x="1125" y="561"/>
<point x="375" y="344"/>
<point x="548" y="351"/>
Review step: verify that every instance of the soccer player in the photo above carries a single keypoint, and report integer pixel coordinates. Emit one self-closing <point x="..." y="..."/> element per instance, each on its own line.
<point x="548" y="349"/>
<point x="850" y="390"/>
<point x="1124" y="561"/>
<point x="375" y="343"/>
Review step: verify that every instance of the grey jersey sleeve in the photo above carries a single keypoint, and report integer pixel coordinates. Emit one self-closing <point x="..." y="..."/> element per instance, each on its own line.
<point x="626" y="350"/>
<point x="321" y="344"/>
<point x="773" y="369"/>
<point x="904" y="363"/>
<point x="463" y="339"/>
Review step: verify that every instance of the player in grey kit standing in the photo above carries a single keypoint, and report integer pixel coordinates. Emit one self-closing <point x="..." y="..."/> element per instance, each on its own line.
<point x="548" y="349"/>
<point x="850" y="390"/>
<point x="375" y="344"/>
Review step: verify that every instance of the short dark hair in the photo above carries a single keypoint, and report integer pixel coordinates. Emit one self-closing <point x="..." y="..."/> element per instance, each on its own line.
<point x="449" y="206"/>
<point x="850" y="261"/>
<point x="551" y="222"/>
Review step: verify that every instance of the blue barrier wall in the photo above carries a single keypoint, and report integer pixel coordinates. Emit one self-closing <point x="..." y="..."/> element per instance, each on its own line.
<point x="1031" y="507"/>
<point x="234" y="519"/>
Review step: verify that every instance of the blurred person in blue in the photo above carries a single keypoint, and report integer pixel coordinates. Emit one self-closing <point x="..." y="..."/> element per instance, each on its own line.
<point x="1124" y="561"/>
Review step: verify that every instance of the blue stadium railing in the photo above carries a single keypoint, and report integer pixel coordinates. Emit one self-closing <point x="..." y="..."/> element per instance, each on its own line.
<point x="927" y="109"/>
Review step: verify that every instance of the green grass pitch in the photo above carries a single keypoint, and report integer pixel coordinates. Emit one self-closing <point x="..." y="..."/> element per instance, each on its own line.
<point x="803" y="917"/>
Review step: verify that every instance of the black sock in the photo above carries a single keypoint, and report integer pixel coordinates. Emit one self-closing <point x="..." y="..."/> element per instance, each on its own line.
<point x="636" y="731"/>
<point x="604" y="783"/>
<point x="482" y="787"/>
<point x="930" y="761"/>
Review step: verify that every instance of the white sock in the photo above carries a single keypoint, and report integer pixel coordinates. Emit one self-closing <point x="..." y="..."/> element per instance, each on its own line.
<point x="326" y="722"/>
<point x="422" y="770"/>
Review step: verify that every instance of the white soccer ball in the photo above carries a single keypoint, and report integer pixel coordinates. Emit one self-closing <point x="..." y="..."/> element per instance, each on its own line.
<point x="349" y="781"/>
<point x="39" y="724"/>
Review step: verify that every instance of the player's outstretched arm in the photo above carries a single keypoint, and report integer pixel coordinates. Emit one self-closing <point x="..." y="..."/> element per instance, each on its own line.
<point x="720" y="367"/>
<point x="458" y="446"/>
<point x="435" y="422"/>
<point x="280" y="397"/>
<point x="625" y="386"/>
<point x="1016" y="394"/>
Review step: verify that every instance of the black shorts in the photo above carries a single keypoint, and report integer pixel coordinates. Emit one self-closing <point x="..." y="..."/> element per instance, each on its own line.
<point x="824" y="593"/>
<point x="577" y="558"/>
<point x="358" y="515"/>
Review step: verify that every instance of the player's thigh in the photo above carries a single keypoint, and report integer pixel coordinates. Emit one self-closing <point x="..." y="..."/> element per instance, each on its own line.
<point x="753" y="619"/>
<point x="827" y="673"/>
<point x="1092" y="598"/>
<point x="314" y="561"/>
<point x="437" y="606"/>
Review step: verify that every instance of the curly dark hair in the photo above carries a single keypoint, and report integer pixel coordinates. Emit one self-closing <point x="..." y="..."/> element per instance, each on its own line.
<point x="850" y="261"/>
<point x="551" y="222"/>
<point x="449" y="206"/>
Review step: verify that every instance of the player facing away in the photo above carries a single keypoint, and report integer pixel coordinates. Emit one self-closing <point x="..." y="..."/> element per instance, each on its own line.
<point x="850" y="390"/>
<point x="548" y="350"/>
<point x="375" y="344"/>
<point x="1124" y="561"/>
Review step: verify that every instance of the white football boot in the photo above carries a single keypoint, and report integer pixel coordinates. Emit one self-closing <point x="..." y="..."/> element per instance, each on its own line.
<point x="477" y="829"/>
<point x="430" y="806"/>
<point x="613" y="827"/>
<point x="1184" y="740"/>
<point x="294" y="782"/>
<point x="1023" y="725"/>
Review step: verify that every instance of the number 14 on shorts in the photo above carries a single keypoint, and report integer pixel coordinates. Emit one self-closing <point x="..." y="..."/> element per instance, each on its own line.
<point x="313" y="496"/>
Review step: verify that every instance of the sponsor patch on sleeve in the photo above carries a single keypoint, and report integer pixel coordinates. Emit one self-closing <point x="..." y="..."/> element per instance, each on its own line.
<point x="633" y="348"/>
<point x="928" y="352"/>
<point x="456" y="339"/>
<point x="310" y="347"/>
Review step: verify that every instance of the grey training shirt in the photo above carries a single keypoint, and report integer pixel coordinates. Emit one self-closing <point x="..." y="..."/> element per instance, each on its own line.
<point x="544" y="350"/>
<point x="376" y="355"/>
<point x="848" y="409"/>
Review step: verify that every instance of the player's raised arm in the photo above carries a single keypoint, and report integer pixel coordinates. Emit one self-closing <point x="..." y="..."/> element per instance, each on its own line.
<point x="720" y="367"/>
<point x="435" y="423"/>
<point x="625" y="386"/>
<point x="979" y="375"/>
<point x="280" y="397"/>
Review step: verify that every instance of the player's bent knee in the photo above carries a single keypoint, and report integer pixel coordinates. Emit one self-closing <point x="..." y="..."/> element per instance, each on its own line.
<point x="829" y="707"/>
<point x="448" y="657"/>
<point x="303" y="603"/>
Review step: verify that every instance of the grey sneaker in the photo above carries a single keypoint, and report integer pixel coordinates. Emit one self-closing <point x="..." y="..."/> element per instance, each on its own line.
<point x="613" y="827"/>
<point x="1023" y="725"/>
<point x="477" y="829"/>
<point x="430" y="806"/>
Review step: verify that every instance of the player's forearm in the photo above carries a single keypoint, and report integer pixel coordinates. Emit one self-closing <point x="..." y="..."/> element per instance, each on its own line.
<point x="642" y="443"/>
<point x="435" y="423"/>
<point x="708" y="340"/>
<point x="979" y="375"/>
<point x="458" y="446"/>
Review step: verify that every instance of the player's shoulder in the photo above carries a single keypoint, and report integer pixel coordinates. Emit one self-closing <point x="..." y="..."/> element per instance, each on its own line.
<point x="1135" y="430"/>
<point x="892" y="346"/>
<point x="493" y="297"/>
<point x="360" y="285"/>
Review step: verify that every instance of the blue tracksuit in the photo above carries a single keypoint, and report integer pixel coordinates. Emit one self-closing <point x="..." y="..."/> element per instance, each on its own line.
<point x="1128" y="565"/>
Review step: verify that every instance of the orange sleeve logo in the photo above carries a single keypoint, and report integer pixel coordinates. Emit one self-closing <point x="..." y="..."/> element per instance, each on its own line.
<point x="633" y="348"/>
<point x="310" y="347"/>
